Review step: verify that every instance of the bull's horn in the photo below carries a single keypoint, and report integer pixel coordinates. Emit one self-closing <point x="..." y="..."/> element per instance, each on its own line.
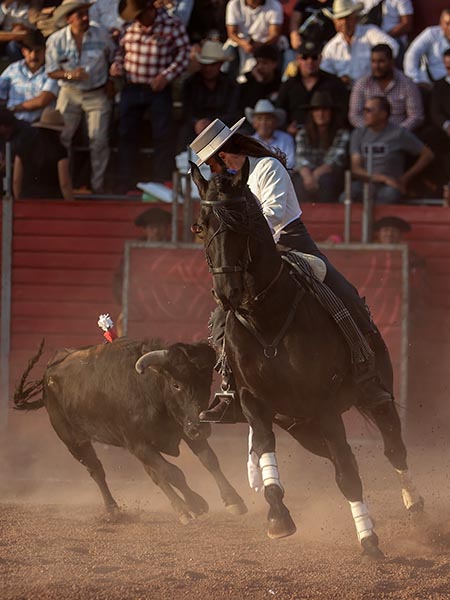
<point x="154" y="358"/>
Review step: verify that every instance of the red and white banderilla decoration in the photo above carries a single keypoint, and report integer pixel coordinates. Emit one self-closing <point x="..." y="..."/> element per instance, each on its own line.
<point x="106" y="323"/>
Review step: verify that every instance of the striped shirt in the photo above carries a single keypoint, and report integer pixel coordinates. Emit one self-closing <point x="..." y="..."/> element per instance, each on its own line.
<point x="18" y="84"/>
<point x="161" y="49"/>
<point x="96" y="53"/>
<point x="402" y="93"/>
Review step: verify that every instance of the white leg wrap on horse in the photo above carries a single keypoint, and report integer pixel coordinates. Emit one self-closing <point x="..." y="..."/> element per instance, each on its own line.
<point x="363" y="522"/>
<point x="409" y="492"/>
<point x="253" y="471"/>
<point x="269" y="468"/>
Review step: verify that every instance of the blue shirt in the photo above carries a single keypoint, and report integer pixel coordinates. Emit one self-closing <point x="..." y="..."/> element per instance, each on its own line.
<point x="18" y="84"/>
<point x="284" y="142"/>
<point x="96" y="55"/>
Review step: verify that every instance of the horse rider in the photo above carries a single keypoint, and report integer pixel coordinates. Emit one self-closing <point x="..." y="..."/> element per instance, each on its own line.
<point x="224" y="149"/>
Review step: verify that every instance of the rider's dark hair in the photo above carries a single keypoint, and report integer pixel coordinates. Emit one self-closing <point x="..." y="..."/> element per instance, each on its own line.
<point x="248" y="146"/>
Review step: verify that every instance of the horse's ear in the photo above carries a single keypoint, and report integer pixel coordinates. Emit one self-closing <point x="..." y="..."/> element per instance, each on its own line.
<point x="241" y="177"/>
<point x="198" y="179"/>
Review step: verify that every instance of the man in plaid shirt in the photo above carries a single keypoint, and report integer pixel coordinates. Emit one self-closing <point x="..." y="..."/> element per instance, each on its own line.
<point x="385" y="80"/>
<point x="153" y="51"/>
<point x="24" y="84"/>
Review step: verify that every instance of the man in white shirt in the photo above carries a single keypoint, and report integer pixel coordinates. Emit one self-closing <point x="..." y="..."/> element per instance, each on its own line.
<point x="423" y="59"/>
<point x="347" y="54"/>
<point x="251" y="23"/>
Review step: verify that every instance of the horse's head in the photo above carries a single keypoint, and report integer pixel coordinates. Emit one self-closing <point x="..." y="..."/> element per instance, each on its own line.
<point x="225" y="225"/>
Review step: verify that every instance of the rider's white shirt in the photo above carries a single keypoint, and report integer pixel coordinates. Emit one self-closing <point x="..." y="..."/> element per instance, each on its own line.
<point x="271" y="184"/>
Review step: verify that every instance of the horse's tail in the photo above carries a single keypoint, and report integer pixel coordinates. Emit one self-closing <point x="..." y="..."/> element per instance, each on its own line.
<point x="26" y="390"/>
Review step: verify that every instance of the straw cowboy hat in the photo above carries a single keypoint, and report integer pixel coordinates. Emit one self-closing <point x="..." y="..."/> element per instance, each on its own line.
<point x="343" y="8"/>
<point x="212" y="138"/>
<point x="211" y="53"/>
<point x="50" y="119"/>
<point x="265" y="107"/>
<point x="130" y="9"/>
<point x="65" y="9"/>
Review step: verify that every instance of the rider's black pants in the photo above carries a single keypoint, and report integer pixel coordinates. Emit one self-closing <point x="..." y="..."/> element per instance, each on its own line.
<point x="295" y="236"/>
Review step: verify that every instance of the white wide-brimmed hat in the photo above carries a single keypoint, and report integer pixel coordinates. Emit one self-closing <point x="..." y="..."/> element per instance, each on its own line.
<point x="50" y="119"/>
<point x="211" y="52"/>
<point x="212" y="138"/>
<point x="67" y="7"/>
<point x="343" y="8"/>
<point x="265" y="107"/>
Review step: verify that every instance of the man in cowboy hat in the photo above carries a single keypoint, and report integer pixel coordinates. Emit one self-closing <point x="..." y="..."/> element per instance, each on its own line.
<point x="296" y="92"/>
<point x="208" y="94"/>
<point x="78" y="56"/>
<point x="153" y="51"/>
<point x="390" y="230"/>
<point x="347" y="54"/>
<point x="24" y="84"/>
<point x="267" y="122"/>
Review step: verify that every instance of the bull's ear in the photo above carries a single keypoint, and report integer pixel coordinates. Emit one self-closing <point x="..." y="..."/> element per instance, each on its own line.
<point x="198" y="179"/>
<point x="241" y="177"/>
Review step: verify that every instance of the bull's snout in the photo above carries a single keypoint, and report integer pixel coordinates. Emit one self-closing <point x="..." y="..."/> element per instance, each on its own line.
<point x="197" y="430"/>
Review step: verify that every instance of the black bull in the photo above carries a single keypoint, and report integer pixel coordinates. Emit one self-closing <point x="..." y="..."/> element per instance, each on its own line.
<point x="94" y="394"/>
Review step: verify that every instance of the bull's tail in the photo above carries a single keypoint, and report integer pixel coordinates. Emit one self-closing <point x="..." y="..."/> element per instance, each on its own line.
<point x="26" y="390"/>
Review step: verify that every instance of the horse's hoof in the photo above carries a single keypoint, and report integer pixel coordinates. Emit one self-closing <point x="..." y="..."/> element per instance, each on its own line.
<point x="185" y="518"/>
<point x="417" y="507"/>
<point x="280" y="528"/>
<point x="237" y="509"/>
<point x="370" y="547"/>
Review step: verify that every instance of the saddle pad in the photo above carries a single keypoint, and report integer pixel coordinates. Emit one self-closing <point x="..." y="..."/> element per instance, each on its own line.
<point x="318" y="266"/>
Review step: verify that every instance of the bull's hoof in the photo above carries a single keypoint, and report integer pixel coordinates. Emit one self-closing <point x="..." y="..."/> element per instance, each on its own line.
<point x="417" y="507"/>
<point x="280" y="528"/>
<point x="370" y="547"/>
<point x="237" y="509"/>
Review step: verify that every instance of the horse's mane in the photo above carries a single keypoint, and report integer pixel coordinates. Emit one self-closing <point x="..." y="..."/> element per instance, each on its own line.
<point x="240" y="214"/>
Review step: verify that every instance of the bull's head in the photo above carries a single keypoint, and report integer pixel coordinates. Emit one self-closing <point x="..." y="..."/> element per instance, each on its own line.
<point x="187" y="373"/>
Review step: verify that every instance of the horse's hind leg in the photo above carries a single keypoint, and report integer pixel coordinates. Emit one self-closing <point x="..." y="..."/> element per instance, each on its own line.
<point x="348" y="480"/>
<point x="168" y="476"/>
<point x="84" y="452"/>
<point x="388" y="422"/>
<point x="206" y="455"/>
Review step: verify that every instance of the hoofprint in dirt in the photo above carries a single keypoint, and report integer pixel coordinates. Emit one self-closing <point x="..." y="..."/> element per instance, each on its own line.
<point x="55" y="542"/>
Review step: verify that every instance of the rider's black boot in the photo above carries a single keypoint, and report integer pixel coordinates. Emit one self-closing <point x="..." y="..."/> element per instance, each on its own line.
<point x="222" y="409"/>
<point x="372" y="392"/>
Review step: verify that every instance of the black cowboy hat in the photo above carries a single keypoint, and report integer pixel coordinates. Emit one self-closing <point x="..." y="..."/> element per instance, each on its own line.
<point x="320" y="100"/>
<point x="392" y="221"/>
<point x="309" y="48"/>
<point x="153" y="216"/>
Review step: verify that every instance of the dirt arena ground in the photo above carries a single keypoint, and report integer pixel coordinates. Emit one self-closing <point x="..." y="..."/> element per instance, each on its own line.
<point x="56" y="543"/>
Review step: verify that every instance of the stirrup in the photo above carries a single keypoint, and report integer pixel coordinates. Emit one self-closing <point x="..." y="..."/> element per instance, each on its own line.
<point x="219" y="410"/>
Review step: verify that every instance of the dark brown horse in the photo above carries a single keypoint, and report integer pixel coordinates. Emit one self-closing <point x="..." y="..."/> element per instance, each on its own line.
<point x="287" y="355"/>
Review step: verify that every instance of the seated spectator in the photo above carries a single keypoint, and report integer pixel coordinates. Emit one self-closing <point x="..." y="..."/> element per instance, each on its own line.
<point x="395" y="17"/>
<point x="439" y="133"/>
<point x="14" y="131"/>
<point x="78" y="57"/>
<point x="385" y="80"/>
<point x="378" y="154"/>
<point x="24" y="85"/>
<point x="423" y="59"/>
<point x="251" y="23"/>
<point x="148" y="69"/>
<point x="308" y="23"/>
<point x="15" y="22"/>
<point x="267" y="122"/>
<point x="347" y="54"/>
<point x="296" y="93"/>
<point x="41" y="165"/>
<point x="264" y="80"/>
<point x="390" y="230"/>
<point x="155" y="222"/>
<point x="104" y="13"/>
<point x="208" y="94"/>
<point x="321" y="152"/>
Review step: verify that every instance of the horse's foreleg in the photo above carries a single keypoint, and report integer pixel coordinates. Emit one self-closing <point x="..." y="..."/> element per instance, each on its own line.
<point x="262" y="444"/>
<point x="388" y="422"/>
<point x="348" y="480"/>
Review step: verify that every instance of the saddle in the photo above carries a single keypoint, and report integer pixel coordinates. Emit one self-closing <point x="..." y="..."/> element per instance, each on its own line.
<point x="318" y="266"/>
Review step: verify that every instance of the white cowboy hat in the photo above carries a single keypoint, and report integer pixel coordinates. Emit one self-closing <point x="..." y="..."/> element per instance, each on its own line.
<point x="50" y="119"/>
<point x="343" y="8"/>
<point x="265" y="107"/>
<point x="67" y="7"/>
<point x="212" y="138"/>
<point x="211" y="52"/>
